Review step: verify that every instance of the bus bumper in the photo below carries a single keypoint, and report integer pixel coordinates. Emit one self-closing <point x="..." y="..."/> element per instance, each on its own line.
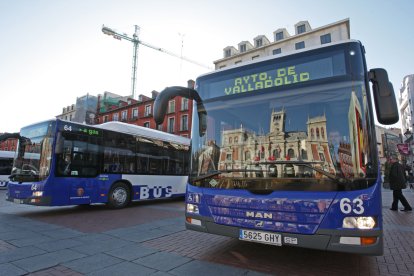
<point x="323" y="239"/>
<point x="38" y="201"/>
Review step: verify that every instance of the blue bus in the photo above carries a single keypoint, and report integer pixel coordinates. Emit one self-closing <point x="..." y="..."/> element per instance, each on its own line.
<point x="65" y="163"/>
<point x="284" y="153"/>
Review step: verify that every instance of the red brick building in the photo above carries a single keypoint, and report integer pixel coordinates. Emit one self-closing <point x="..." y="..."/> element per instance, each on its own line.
<point x="9" y="144"/>
<point x="177" y="119"/>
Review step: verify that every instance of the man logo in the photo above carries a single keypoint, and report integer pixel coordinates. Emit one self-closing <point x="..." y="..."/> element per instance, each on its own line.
<point x="259" y="215"/>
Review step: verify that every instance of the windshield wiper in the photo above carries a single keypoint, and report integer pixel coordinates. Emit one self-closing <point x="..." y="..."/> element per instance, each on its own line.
<point x="308" y="164"/>
<point x="214" y="173"/>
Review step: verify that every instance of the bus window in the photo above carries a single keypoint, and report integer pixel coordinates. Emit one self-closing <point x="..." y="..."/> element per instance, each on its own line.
<point x="78" y="155"/>
<point x="119" y="153"/>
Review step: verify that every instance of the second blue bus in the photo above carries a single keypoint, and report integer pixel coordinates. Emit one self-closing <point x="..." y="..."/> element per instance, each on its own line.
<point x="64" y="163"/>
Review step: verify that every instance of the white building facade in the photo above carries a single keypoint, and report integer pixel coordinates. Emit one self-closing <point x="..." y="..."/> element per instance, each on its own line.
<point x="406" y="111"/>
<point x="283" y="42"/>
<point x="406" y="103"/>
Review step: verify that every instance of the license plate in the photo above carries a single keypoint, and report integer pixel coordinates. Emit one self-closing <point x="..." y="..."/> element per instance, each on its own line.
<point x="261" y="237"/>
<point x="18" y="201"/>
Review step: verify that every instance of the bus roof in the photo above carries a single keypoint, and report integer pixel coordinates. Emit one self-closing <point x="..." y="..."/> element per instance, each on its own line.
<point x="143" y="131"/>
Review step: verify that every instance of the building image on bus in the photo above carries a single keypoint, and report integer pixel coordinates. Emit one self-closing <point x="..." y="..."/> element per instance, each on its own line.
<point x="6" y="164"/>
<point x="64" y="163"/>
<point x="283" y="150"/>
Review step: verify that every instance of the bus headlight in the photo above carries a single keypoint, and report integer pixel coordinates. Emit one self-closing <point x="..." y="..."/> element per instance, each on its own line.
<point x="359" y="222"/>
<point x="37" y="193"/>
<point x="192" y="208"/>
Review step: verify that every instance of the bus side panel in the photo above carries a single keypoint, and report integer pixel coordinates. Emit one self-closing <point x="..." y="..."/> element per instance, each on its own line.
<point x="58" y="189"/>
<point x="77" y="190"/>
<point x="156" y="186"/>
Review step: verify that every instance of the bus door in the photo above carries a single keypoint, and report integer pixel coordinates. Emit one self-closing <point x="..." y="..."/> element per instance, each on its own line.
<point x="84" y="170"/>
<point x="78" y="163"/>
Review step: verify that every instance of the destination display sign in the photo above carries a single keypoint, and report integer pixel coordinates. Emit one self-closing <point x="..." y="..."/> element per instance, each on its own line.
<point x="276" y="75"/>
<point x="81" y="129"/>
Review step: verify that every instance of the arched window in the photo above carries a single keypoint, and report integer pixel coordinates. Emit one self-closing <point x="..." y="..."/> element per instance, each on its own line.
<point x="322" y="133"/>
<point x="312" y="134"/>
<point x="276" y="153"/>
<point x="236" y="140"/>
<point x="317" y="133"/>
<point x="230" y="140"/>
<point x="304" y="154"/>
<point x="247" y="156"/>
<point x="291" y="153"/>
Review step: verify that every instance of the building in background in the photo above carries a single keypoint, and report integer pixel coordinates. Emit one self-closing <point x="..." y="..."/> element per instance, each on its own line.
<point x="387" y="141"/>
<point x="84" y="111"/>
<point x="68" y="113"/>
<point x="283" y="42"/>
<point x="109" y="106"/>
<point x="109" y="100"/>
<point x="406" y="110"/>
<point x="177" y="121"/>
<point x="9" y="144"/>
<point x="86" y="108"/>
<point x="406" y="103"/>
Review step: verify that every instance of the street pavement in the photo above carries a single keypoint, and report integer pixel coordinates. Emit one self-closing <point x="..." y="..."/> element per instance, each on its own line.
<point x="149" y="238"/>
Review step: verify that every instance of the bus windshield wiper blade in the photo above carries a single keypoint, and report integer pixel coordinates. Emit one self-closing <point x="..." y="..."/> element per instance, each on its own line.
<point x="214" y="173"/>
<point x="308" y="164"/>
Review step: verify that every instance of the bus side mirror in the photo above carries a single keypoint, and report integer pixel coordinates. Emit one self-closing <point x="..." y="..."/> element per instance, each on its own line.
<point x="161" y="104"/>
<point x="384" y="98"/>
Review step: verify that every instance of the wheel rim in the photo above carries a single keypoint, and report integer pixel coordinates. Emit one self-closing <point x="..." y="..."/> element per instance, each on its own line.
<point x="119" y="195"/>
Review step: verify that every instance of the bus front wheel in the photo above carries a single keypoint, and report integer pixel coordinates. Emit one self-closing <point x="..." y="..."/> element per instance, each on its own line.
<point x="119" y="196"/>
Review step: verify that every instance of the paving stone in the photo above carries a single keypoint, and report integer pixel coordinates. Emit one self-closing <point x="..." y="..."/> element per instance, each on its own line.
<point x="11" y="270"/>
<point x="17" y="234"/>
<point x="31" y="240"/>
<point x="62" y="233"/>
<point x="94" y="247"/>
<point x="92" y="263"/>
<point x="201" y="268"/>
<point x="48" y="260"/>
<point x="56" y="245"/>
<point x="131" y="252"/>
<point x="163" y="261"/>
<point x="20" y="253"/>
<point x="122" y="269"/>
<point x="58" y="270"/>
<point x="5" y="246"/>
<point x="146" y="235"/>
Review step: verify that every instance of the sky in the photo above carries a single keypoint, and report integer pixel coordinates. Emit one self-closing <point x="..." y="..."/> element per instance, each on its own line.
<point x="53" y="51"/>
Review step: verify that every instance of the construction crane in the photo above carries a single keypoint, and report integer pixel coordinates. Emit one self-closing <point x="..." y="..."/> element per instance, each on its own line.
<point x="135" y="40"/>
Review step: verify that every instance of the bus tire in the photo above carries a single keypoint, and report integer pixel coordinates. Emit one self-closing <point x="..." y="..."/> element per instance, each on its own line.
<point x="119" y="196"/>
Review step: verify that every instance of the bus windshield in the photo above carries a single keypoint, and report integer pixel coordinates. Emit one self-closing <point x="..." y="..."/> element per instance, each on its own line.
<point x="309" y="137"/>
<point x="33" y="160"/>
